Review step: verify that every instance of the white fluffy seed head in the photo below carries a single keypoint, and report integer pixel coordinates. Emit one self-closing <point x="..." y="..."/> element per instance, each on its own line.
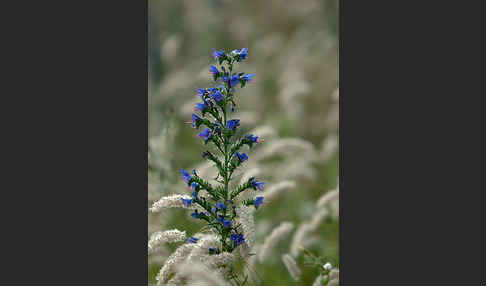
<point x="197" y="272"/>
<point x="277" y="189"/>
<point x="179" y="255"/>
<point x="328" y="197"/>
<point x="249" y="173"/>
<point x="245" y="218"/>
<point x="270" y="241"/>
<point x="304" y="229"/>
<point x="329" y="147"/>
<point x="159" y="237"/>
<point x="292" y="267"/>
<point x="171" y="201"/>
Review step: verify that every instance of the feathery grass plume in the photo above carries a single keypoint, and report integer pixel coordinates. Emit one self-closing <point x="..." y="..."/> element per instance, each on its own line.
<point x="278" y="188"/>
<point x="289" y="146"/>
<point x="292" y="267"/>
<point x="270" y="241"/>
<point x="334" y="282"/>
<point x="328" y="197"/>
<point x="249" y="173"/>
<point x="157" y="238"/>
<point x="247" y="222"/>
<point x="172" y="201"/>
<point x="265" y="131"/>
<point x="200" y="273"/>
<point x="304" y="229"/>
<point x="179" y="255"/>
<point x="328" y="147"/>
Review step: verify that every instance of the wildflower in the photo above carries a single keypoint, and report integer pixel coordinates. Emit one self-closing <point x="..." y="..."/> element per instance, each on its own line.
<point x="221" y="206"/>
<point x="194" y="185"/>
<point x="327" y="266"/>
<point x="205" y="134"/>
<point x="201" y="106"/>
<point x="201" y="92"/>
<point x="238" y="238"/>
<point x="256" y="184"/>
<point x="241" y="157"/>
<point x="232" y="124"/>
<point x="247" y="77"/>
<point x="195" y="214"/>
<point x="192" y="239"/>
<point x="258" y="201"/>
<point x="186" y="202"/>
<point x="252" y="138"/>
<point x="217" y="54"/>
<point x="226" y="223"/>
<point x="185" y="176"/>
<point x="213" y="70"/>
<point x="212" y="250"/>
<point x="194" y="194"/>
<point x="234" y="80"/>
<point x="214" y="210"/>
<point x="195" y="120"/>
<point x="216" y="95"/>
<point x="241" y="55"/>
<point x="232" y="107"/>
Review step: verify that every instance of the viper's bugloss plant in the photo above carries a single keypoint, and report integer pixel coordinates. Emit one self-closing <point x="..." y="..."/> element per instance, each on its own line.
<point x="216" y="128"/>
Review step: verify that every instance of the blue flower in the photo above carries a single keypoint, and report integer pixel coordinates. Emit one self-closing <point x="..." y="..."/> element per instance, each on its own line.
<point x="187" y="203"/>
<point x="205" y="134"/>
<point x="195" y="120"/>
<point x="238" y="238"/>
<point x="213" y="70"/>
<point x="235" y="79"/>
<point x="247" y="77"/>
<point x="195" y="214"/>
<point x="232" y="107"/>
<point x="243" y="53"/>
<point x="212" y="250"/>
<point x="201" y="91"/>
<point x="258" y="201"/>
<point x="216" y="95"/>
<point x="221" y="206"/>
<point x="241" y="157"/>
<point x="185" y="176"/>
<point x="217" y="54"/>
<point x="214" y="210"/>
<point x="194" y="194"/>
<point x="256" y="184"/>
<point x="252" y="138"/>
<point x="201" y="106"/>
<point x="226" y="223"/>
<point x="194" y="185"/>
<point x="232" y="124"/>
<point x="193" y="239"/>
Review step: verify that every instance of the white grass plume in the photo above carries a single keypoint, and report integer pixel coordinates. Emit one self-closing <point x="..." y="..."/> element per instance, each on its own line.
<point x="277" y="189"/>
<point x="179" y="255"/>
<point x="270" y="241"/>
<point x="245" y="218"/>
<point x="305" y="228"/>
<point x="198" y="273"/>
<point x="292" y="267"/>
<point x="159" y="237"/>
<point x="328" y="197"/>
<point x="171" y="201"/>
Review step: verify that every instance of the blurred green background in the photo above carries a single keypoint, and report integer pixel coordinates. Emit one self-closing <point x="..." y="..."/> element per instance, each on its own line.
<point x="293" y="50"/>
